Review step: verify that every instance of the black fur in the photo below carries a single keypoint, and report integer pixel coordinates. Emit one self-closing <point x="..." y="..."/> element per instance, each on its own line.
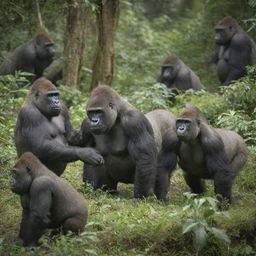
<point x="47" y="201"/>
<point x="204" y="153"/>
<point x="234" y="51"/>
<point x="125" y="138"/>
<point x="51" y="138"/>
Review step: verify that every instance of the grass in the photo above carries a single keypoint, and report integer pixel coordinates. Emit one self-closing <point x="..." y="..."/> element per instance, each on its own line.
<point x="117" y="226"/>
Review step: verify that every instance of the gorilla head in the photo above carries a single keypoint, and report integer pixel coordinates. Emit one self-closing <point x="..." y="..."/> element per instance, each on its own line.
<point x="44" y="46"/>
<point x="102" y="109"/>
<point x="188" y="124"/>
<point x="225" y="30"/>
<point x="45" y="96"/>
<point x="170" y="68"/>
<point x="21" y="178"/>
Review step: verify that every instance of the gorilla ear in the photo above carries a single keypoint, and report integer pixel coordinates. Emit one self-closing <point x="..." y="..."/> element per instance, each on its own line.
<point x="198" y="121"/>
<point x="111" y="105"/>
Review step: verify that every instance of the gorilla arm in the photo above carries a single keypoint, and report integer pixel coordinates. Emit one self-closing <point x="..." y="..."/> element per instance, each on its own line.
<point x="34" y="224"/>
<point x="142" y="149"/>
<point x="239" y="57"/>
<point x="216" y="160"/>
<point x="74" y="137"/>
<point x="36" y="133"/>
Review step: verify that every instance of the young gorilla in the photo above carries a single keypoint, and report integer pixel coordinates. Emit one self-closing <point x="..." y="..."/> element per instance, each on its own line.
<point x="127" y="139"/>
<point x="33" y="56"/>
<point x="204" y="153"/>
<point x="235" y="51"/>
<point x="175" y="74"/>
<point x="47" y="200"/>
<point x="43" y="128"/>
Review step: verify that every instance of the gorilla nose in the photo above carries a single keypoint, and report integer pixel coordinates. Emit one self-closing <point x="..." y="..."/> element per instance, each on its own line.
<point x="95" y="121"/>
<point x="181" y="130"/>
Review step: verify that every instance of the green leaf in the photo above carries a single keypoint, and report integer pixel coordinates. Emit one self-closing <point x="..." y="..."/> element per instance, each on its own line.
<point x="208" y="212"/>
<point x="199" y="238"/>
<point x="188" y="226"/>
<point x="90" y="251"/>
<point x="201" y="201"/>
<point x="220" y="234"/>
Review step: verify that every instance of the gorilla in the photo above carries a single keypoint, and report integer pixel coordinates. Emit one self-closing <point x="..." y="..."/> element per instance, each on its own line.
<point x="33" y="56"/>
<point x="43" y="128"/>
<point x="127" y="139"/>
<point x="204" y="152"/>
<point x="235" y="50"/>
<point x="176" y="74"/>
<point x="47" y="200"/>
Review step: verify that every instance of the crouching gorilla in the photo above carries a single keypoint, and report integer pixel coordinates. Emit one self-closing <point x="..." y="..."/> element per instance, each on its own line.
<point x="204" y="153"/>
<point x="175" y="74"/>
<point x="235" y="50"/>
<point x="127" y="139"/>
<point x="43" y="128"/>
<point x="47" y="200"/>
<point x="33" y="56"/>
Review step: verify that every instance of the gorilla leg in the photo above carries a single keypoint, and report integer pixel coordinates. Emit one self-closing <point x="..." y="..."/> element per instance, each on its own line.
<point x="223" y="184"/>
<point x="238" y="162"/>
<point x="195" y="183"/>
<point x="97" y="176"/>
<point x="166" y="165"/>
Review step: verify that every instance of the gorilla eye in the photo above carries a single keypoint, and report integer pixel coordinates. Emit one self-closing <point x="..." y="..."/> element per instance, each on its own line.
<point x="111" y="105"/>
<point x="28" y="169"/>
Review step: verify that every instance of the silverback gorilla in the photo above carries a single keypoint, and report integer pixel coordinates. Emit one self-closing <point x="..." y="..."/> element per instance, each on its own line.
<point x="175" y="74"/>
<point x="127" y="139"/>
<point x="47" y="200"/>
<point x="235" y="50"/>
<point x="204" y="153"/>
<point x="43" y="128"/>
<point x="33" y="56"/>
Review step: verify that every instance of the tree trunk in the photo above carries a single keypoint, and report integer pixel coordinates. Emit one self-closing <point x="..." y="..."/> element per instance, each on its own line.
<point x="74" y="43"/>
<point x="107" y="18"/>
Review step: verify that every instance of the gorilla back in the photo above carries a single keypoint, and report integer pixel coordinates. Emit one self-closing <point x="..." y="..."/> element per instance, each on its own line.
<point x="127" y="139"/>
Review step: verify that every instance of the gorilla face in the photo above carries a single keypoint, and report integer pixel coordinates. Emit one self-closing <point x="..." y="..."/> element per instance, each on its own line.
<point x="168" y="72"/>
<point x="48" y="103"/>
<point x="187" y="129"/>
<point x="20" y="180"/>
<point x="45" y="50"/>
<point x="223" y="34"/>
<point x="102" y="119"/>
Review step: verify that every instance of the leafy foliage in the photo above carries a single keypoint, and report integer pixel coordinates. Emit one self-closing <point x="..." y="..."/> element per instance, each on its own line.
<point x="200" y="210"/>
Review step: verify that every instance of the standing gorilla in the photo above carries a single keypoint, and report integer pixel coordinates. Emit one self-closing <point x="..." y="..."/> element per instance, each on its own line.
<point x="33" y="56"/>
<point x="127" y="139"/>
<point x="204" y="153"/>
<point x="47" y="201"/>
<point x="235" y="51"/>
<point x="175" y="74"/>
<point x="43" y="128"/>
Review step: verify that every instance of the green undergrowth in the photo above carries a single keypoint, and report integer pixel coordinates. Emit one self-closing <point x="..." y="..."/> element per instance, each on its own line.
<point x="117" y="225"/>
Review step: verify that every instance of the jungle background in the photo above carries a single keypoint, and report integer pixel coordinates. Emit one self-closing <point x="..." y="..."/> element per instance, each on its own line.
<point x="144" y="33"/>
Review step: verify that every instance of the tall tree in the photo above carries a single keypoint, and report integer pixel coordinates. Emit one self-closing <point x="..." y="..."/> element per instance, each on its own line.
<point x="107" y="17"/>
<point x="74" y="42"/>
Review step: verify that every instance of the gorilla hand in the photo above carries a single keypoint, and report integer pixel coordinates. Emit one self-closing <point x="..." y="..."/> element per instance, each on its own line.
<point x="90" y="156"/>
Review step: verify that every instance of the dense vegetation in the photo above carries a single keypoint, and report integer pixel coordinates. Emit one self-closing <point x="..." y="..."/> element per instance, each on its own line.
<point x="117" y="226"/>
